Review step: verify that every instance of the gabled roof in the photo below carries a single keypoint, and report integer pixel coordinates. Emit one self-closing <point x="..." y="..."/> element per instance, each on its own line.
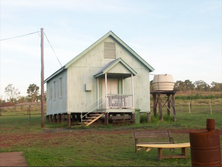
<point x="114" y="63"/>
<point x="110" y="33"/>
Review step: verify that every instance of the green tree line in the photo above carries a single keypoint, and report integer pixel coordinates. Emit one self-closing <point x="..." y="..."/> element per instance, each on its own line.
<point x="13" y="94"/>
<point x="199" y="85"/>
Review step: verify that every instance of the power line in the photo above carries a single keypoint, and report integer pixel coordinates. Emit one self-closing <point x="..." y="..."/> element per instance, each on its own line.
<point x="19" y="36"/>
<point x="31" y="34"/>
<point x="0" y="52"/>
<point x="53" y="49"/>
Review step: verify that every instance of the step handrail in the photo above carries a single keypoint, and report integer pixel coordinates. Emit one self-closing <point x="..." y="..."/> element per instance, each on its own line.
<point x="92" y="103"/>
<point x="82" y="116"/>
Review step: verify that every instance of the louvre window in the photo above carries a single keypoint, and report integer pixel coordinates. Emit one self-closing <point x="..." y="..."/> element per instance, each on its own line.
<point x="109" y="50"/>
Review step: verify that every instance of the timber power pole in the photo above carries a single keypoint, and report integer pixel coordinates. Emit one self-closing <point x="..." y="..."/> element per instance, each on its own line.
<point x="42" y="78"/>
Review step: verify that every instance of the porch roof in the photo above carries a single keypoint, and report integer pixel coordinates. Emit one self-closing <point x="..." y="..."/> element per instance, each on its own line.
<point x="115" y="74"/>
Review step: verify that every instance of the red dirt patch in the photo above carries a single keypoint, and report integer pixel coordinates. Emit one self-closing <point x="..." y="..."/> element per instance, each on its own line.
<point x="12" y="159"/>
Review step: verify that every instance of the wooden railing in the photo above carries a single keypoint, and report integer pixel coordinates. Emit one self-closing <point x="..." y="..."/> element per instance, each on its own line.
<point x="120" y="101"/>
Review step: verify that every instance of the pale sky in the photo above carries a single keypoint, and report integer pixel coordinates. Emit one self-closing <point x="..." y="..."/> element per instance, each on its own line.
<point x="178" y="37"/>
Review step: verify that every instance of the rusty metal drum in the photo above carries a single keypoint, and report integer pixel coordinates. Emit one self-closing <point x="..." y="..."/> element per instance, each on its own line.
<point x="205" y="146"/>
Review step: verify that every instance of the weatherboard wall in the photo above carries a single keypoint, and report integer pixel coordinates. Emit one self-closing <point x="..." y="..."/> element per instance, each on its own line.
<point x="141" y="80"/>
<point x="82" y="72"/>
<point x="57" y="94"/>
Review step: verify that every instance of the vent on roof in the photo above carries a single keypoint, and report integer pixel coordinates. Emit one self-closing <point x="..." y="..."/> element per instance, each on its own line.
<point x="109" y="50"/>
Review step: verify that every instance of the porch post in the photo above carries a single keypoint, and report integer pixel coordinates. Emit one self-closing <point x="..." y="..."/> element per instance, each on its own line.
<point x="97" y="86"/>
<point x="122" y="86"/>
<point x="106" y="89"/>
<point x="132" y="90"/>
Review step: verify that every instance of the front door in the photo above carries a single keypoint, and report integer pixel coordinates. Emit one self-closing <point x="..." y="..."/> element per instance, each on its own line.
<point x="112" y="88"/>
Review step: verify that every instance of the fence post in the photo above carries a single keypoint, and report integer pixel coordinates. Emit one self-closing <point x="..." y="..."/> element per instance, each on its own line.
<point x="148" y="117"/>
<point x="211" y="108"/>
<point x="160" y="107"/>
<point x="29" y="113"/>
<point x="189" y="107"/>
<point x="173" y="106"/>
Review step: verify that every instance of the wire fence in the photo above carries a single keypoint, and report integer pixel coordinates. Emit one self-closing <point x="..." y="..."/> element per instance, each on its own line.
<point x="195" y="106"/>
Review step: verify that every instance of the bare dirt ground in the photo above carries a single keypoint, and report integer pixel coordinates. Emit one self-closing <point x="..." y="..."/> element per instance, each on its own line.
<point x="16" y="158"/>
<point x="12" y="159"/>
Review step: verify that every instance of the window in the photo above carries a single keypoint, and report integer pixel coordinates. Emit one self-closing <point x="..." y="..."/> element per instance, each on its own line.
<point x="109" y="50"/>
<point x="54" y="90"/>
<point x="50" y="92"/>
<point x="60" y="87"/>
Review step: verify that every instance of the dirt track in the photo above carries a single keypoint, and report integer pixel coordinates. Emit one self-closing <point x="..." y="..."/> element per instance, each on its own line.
<point x="12" y="159"/>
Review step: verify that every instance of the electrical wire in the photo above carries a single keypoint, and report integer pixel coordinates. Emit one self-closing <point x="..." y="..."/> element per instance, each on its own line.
<point x="31" y="34"/>
<point x="53" y="49"/>
<point x="19" y="36"/>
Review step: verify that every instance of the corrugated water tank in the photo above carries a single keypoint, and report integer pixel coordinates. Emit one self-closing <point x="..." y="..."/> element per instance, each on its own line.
<point x="163" y="82"/>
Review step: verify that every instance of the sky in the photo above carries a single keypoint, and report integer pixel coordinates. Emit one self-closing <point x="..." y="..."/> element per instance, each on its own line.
<point x="178" y="37"/>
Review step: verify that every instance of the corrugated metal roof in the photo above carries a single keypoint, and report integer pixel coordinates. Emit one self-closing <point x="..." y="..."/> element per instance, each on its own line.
<point x="132" y="51"/>
<point x="110" y="33"/>
<point x="55" y="73"/>
<point x="112" y="64"/>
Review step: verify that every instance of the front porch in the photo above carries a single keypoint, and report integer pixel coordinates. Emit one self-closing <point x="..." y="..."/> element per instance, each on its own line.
<point x="115" y="86"/>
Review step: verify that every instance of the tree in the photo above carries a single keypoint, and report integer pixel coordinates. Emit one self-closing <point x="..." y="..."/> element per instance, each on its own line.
<point x="22" y="99"/>
<point x="179" y="85"/>
<point x="33" y="92"/>
<point x="201" y="85"/>
<point x="189" y="85"/>
<point x="216" y="86"/>
<point x="12" y="93"/>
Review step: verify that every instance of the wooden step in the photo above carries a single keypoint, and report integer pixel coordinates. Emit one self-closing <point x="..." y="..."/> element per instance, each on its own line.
<point x="91" y="117"/>
<point x="95" y="114"/>
<point x="99" y="116"/>
<point x="86" y="120"/>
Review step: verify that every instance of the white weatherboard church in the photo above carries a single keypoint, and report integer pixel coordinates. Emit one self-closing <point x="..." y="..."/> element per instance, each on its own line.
<point x="107" y="77"/>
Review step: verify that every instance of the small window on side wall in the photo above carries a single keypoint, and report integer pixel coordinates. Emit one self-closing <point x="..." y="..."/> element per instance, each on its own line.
<point x="54" y="90"/>
<point x="50" y="95"/>
<point x="60" y="87"/>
